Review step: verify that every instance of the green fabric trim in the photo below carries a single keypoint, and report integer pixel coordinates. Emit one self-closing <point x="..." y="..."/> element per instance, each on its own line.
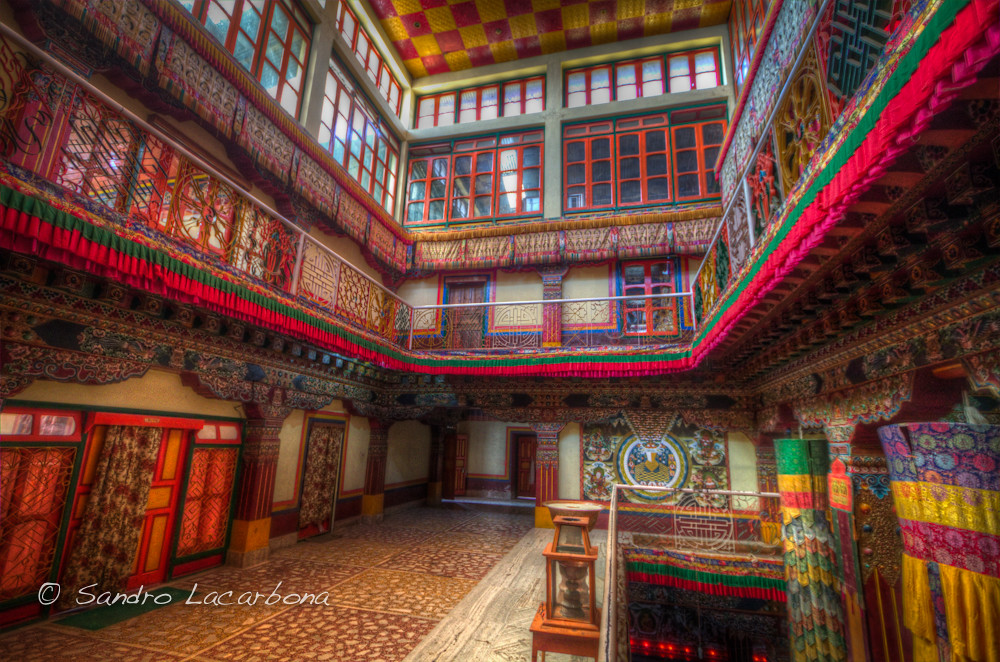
<point x="908" y="63"/>
<point x="711" y="578"/>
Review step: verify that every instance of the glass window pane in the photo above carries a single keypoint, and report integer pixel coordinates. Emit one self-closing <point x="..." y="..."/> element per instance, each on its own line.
<point x="625" y="75"/>
<point x="602" y="194"/>
<point x="711" y="184"/>
<point x="656" y="141"/>
<point x="575" y="151"/>
<point x="463" y="165"/>
<point x="687" y="186"/>
<point x="217" y="22"/>
<point x="484" y="162"/>
<point x="679" y="66"/>
<point x="687" y="161"/>
<point x="575" y="197"/>
<point x="576" y="99"/>
<point x="659" y="188"/>
<point x="269" y="79"/>
<point x="279" y="22"/>
<point x="435" y="212"/>
<point x="633" y="274"/>
<point x="275" y="50"/>
<point x="602" y="95"/>
<point x="529" y="178"/>
<point x="483" y="206"/>
<point x="508" y="159"/>
<point x="415" y="212"/>
<point x="600" y="171"/>
<point x="630" y="191"/>
<point x="440" y="168"/>
<point x="705" y="81"/>
<point x="250" y="22"/>
<point x="484" y="184"/>
<point x="512" y="92"/>
<point x="652" y="70"/>
<point x="532" y="156"/>
<point x="460" y="208"/>
<point x="507" y="203"/>
<point x="682" y="84"/>
<point x="417" y="190"/>
<point x="460" y="187"/>
<point x="15" y="423"/>
<point x="576" y="82"/>
<point x="711" y="134"/>
<point x="508" y="182"/>
<point x="628" y="144"/>
<point x="575" y="174"/>
<point x="684" y="137"/>
<point x="629" y="168"/>
<point x="600" y="78"/>
<point x="600" y="148"/>
<point x="418" y="170"/>
<point x="437" y="188"/>
<point x="243" y="51"/>
<point x="704" y="62"/>
<point x="656" y="164"/>
<point x="530" y="201"/>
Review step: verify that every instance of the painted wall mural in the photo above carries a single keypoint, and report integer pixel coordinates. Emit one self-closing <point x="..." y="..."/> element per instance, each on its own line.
<point x="683" y="456"/>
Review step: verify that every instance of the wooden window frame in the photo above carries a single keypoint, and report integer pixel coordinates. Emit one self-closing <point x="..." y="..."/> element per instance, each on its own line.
<point x="745" y="26"/>
<point x="427" y="179"/>
<point x="639" y="83"/>
<point x="518" y="171"/>
<point x="298" y="22"/>
<point x="472" y="196"/>
<point x="36" y="425"/>
<point x="588" y="181"/>
<point x="644" y="177"/>
<point x="648" y="308"/>
<point x="437" y="115"/>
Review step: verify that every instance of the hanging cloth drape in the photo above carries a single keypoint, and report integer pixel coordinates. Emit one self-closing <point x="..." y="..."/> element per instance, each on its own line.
<point x="108" y="538"/>
<point x="321" y="475"/>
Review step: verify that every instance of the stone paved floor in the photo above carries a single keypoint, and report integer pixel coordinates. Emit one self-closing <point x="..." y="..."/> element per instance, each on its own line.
<point x="393" y="592"/>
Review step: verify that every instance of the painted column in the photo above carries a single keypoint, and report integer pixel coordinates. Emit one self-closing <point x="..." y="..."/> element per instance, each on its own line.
<point x="814" y="610"/>
<point x="435" y="473"/>
<point x="248" y="544"/>
<point x="372" y="502"/>
<point x="945" y="480"/>
<point x="546" y="470"/>
<point x="552" y="278"/>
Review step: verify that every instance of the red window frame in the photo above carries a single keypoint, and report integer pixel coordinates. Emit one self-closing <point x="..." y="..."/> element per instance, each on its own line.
<point x="648" y="306"/>
<point x="744" y="30"/>
<point x="693" y="79"/>
<point x="525" y="180"/>
<point x="523" y="101"/>
<point x="478" y="110"/>
<point x="589" y="95"/>
<point x="37" y="431"/>
<point x="646" y="155"/>
<point x="441" y="115"/>
<point x="588" y="135"/>
<point x="473" y="196"/>
<point x="252" y="51"/>
<point x="640" y="86"/>
<point x="428" y="181"/>
<point x="519" y="172"/>
<point x="371" y="59"/>
<point x="706" y="152"/>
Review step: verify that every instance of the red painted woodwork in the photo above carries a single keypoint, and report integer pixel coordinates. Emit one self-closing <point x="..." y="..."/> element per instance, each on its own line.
<point x="152" y="559"/>
<point x="525" y="466"/>
<point x="455" y="465"/>
<point x="461" y="462"/>
<point x="207" y="500"/>
<point x="465" y="324"/>
<point x="888" y="638"/>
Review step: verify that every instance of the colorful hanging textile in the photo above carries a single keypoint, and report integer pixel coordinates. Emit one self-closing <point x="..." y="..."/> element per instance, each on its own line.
<point x="759" y="578"/>
<point x="105" y="545"/>
<point x="321" y="475"/>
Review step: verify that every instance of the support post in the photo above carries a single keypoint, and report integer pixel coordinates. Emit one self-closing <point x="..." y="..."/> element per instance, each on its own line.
<point x="546" y="470"/>
<point x="372" y="502"/>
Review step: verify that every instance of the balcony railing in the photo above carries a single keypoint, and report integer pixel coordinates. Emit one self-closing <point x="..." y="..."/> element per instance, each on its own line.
<point x="72" y="137"/>
<point x="739" y="525"/>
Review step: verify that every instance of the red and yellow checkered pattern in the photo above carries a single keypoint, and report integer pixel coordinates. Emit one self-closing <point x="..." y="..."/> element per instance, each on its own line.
<point x="435" y="36"/>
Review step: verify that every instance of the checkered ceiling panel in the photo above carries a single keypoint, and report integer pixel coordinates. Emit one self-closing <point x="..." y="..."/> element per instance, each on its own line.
<point x="435" y="36"/>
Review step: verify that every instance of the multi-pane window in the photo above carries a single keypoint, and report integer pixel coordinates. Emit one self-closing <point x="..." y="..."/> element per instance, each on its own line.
<point x="649" y="313"/>
<point x="269" y="38"/>
<point x="518" y="97"/>
<point x="479" y="103"/>
<point x="642" y="161"/>
<point x="641" y="78"/>
<point x="698" y="70"/>
<point x="475" y="179"/>
<point x="693" y="70"/>
<point x="745" y="24"/>
<point x="522" y="97"/>
<point x="358" y="139"/>
<point x="369" y="57"/>
<point x="587" y="87"/>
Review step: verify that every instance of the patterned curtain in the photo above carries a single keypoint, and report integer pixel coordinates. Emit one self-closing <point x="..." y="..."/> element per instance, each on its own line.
<point x="108" y="537"/>
<point x="321" y="477"/>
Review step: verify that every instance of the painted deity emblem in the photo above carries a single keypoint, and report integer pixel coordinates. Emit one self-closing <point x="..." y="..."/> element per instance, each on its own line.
<point x="660" y="463"/>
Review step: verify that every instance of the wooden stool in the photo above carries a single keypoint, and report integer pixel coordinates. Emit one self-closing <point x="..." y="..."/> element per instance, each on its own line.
<point x="571" y="641"/>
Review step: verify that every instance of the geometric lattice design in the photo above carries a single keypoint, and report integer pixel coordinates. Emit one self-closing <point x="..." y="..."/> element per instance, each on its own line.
<point x="738" y="230"/>
<point x="206" y="504"/>
<point x="435" y="37"/>
<point x="33" y="486"/>
<point x="858" y="36"/>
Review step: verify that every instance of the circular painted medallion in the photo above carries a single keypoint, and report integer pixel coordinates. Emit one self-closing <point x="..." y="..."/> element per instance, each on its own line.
<point x="662" y="464"/>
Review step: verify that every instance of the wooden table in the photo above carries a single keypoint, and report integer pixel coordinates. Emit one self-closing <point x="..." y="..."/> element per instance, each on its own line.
<point x="572" y="641"/>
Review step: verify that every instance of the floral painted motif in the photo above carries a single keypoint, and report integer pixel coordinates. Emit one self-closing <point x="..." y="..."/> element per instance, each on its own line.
<point x="321" y="474"/>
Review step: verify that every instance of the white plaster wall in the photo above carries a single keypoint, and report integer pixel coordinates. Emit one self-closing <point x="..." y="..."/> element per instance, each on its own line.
<point x="742" y="467"/>
<point x="582" y="283"/>
<point x="290" y="452"/>
<point x="488" y="451"/>
<point x="569" y="462"/>
<point x="409" y="452"/>
<point x="356" y="457"/>
<point x="518" y="286"/>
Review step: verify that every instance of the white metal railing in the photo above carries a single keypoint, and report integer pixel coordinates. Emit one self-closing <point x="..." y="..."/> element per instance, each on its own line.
<point x="696" y="521"/>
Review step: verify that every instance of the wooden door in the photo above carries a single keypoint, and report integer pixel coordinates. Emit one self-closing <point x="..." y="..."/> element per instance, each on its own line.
<point x="461" y="460"/>
<point x="152" y="558"/>
<point x="525" y="466"/>
<point x="465" y="325"/>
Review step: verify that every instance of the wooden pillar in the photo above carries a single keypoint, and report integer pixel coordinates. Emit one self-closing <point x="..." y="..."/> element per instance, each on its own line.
<point x="546" y="470"/>
<point x="372" y="502"/>
<point x="248" y="544"/>
<point x="436" y="469"/>
<point x="552" y="277"/>
<point x="811" y="560"/>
